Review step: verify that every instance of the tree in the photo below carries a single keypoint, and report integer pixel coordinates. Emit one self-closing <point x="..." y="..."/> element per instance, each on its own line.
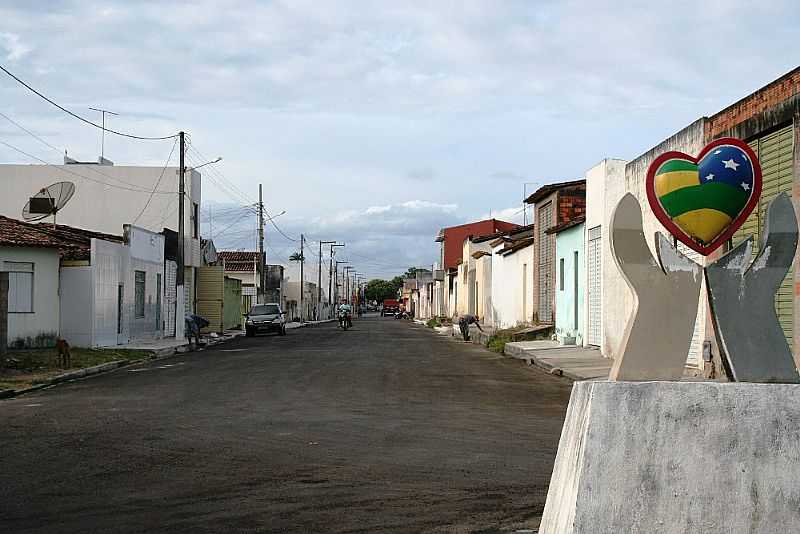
<point x="380" y="290"/>
<point x="296" y="256"/>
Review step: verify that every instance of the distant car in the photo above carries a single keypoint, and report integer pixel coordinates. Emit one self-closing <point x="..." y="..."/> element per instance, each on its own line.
<point x="390" y="307"/>
<point x="265" y="318"/>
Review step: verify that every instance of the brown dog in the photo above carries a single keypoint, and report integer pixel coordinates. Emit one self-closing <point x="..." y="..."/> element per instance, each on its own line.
<point x="64" y="356"/>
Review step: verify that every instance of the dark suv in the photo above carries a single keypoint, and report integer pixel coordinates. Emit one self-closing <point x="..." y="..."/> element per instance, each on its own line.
<point x="265" y="318"/>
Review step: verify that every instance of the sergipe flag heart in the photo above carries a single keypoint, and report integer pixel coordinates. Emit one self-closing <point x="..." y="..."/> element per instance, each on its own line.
<point x="702" y="201"/>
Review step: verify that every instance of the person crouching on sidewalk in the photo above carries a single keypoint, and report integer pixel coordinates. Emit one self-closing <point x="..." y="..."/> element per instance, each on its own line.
<point x="464" y="321"/>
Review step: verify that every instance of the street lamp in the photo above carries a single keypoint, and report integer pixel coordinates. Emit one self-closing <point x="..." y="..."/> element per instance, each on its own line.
<point x="331" y="300"/>
<point x="204" y="164"/>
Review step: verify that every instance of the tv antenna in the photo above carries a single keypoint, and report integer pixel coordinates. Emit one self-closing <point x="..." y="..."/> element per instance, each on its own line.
<point x="48" y="201"/>
<point x="103" y="137"/>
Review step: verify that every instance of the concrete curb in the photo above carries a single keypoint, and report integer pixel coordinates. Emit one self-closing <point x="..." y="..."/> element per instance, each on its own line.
<point x="159" y="354"/>
<point x="513" y="351"/>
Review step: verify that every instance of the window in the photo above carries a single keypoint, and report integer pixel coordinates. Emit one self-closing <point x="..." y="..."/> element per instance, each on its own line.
<point x="561" y="274"/>
<point x="139" y="278"/>
<point x="20" y="286"/>
<point x="195" y="220"/>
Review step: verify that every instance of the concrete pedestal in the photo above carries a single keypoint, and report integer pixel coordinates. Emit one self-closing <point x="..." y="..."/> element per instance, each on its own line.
<point x="677" y="457"/>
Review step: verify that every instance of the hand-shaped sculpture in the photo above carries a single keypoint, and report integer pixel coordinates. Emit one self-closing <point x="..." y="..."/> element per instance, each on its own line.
<point x="659" y="332"/>
<point x="742" y="296"/>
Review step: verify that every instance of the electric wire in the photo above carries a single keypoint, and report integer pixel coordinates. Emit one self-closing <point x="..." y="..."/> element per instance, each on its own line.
<point x="83" y="119"/>
<point x="85" y="167"/>
<point x="158" y="182"/>
<point x="64" y="169"/>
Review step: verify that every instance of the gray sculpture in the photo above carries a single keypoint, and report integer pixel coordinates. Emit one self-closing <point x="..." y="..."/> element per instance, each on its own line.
<point x="742" y="297"/>
<point x="657" y="337"/>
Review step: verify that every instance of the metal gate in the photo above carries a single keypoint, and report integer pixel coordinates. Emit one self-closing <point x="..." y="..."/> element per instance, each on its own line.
<point x="546" y="253"/>
<point x="170" y="297"/>
<point x="775" y="153"/>
<point x="594" y="261"/>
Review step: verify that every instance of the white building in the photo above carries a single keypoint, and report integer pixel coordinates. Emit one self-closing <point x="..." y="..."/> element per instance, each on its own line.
<point x="107" y="197"/>
<point x="117" y="296"/>
<point x="617" y="298"/>
<point x="32" y="261"/>
<point x="605" y="185"/>
<point x="512" y="280"/>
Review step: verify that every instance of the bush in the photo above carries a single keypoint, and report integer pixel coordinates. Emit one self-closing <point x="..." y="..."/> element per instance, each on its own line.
<point x="433" y="323"/>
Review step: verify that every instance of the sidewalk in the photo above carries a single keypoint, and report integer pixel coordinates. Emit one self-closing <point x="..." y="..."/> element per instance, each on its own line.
<point x="573" y="362"/>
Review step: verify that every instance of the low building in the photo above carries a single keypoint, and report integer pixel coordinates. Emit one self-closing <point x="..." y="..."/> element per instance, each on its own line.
<point x="102" y="289"/>
<point x="554" y="204"/>
<point x="32" y="260"/>
<point x="512" y="279"/>
<point x="451" y="255"/>
<point x="570" y="293"/>
<point x="245" y="266"/>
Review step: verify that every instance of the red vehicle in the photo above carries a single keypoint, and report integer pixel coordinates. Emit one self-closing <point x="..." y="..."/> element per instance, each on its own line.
<point x="390" y="307"/>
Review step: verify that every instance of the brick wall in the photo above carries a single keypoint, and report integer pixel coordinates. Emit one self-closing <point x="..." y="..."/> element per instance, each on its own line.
<point x="571" y="204"/>
<point x="762" y="100"/>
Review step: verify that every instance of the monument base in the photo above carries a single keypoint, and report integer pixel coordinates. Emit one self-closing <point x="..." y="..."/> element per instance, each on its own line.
<point x="677" y="457"/>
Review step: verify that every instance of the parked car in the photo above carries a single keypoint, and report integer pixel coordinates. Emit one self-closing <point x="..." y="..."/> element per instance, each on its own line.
<point x="265" y="318"/>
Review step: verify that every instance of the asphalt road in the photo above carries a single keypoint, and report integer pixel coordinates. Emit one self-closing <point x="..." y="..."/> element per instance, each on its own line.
<point x="387" y="427"/>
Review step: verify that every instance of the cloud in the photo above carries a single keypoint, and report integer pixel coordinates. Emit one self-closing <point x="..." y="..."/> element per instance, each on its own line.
<point x="15" y="49"/>
<point x="344" y="110"/>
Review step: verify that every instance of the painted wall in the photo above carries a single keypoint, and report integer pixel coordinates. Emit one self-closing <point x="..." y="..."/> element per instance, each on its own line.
<point x="76" y="305"/>
<point x="617" y="297"/>
<point x="606" y="179"/>
<point x="512" y="298"/>
<point x="568" y="243"/>
<point x="41" y="327"/>
<point x="96" y="206"/>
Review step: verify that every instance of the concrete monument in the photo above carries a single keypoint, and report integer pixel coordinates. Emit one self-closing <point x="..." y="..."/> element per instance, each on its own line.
<point x="641" y="454"/>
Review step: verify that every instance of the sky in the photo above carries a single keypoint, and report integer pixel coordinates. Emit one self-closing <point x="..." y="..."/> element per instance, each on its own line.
<point x="377" y="123"/>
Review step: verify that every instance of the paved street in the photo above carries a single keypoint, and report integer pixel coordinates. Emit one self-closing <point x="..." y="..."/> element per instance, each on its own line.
<point x="383" y="428"/>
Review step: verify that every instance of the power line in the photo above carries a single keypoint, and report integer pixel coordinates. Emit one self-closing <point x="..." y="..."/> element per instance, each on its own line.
<point x="83" y="119"/>
<point x="21" y="127"/>
<point x="88" y="167"/>
<point x="158" y="182"/>
<point x="66" y="170"/>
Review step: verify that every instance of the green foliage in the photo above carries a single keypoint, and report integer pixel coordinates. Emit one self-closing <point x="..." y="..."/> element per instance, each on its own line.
<point x="380" y="290"/>
<point x="433" y="323"/>
<point x="296" y="256"/>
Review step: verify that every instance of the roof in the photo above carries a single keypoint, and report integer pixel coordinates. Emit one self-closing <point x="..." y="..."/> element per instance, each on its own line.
<point x="518" y="245"/>
<point x="237" y="255"/>
<point x="242" y="261"/>
<point x="566" y="225"/>
<point x="14" y="233"/>
<point x="480" y="253"/>
<point x="73" y="243"/>
<point x="545" y="190"/>
<point x="453" y="237"/>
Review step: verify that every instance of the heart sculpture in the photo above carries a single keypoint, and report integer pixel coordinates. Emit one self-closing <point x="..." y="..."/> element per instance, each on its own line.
<point x="702" y="201"/>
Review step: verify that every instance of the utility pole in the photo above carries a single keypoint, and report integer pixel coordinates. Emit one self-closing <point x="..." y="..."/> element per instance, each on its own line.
<point x="179" y="276"/>
<point x="331" y="300"/>
<point x="261" y="262"/>
<point x="319" y="278"/>
<point x="302" y="283"/>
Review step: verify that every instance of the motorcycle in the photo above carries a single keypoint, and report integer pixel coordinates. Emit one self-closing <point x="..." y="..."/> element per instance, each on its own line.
<point x="345" y="321"/>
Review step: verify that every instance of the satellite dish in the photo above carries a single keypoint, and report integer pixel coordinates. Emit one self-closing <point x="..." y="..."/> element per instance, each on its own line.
<point x="48" y="201"/>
